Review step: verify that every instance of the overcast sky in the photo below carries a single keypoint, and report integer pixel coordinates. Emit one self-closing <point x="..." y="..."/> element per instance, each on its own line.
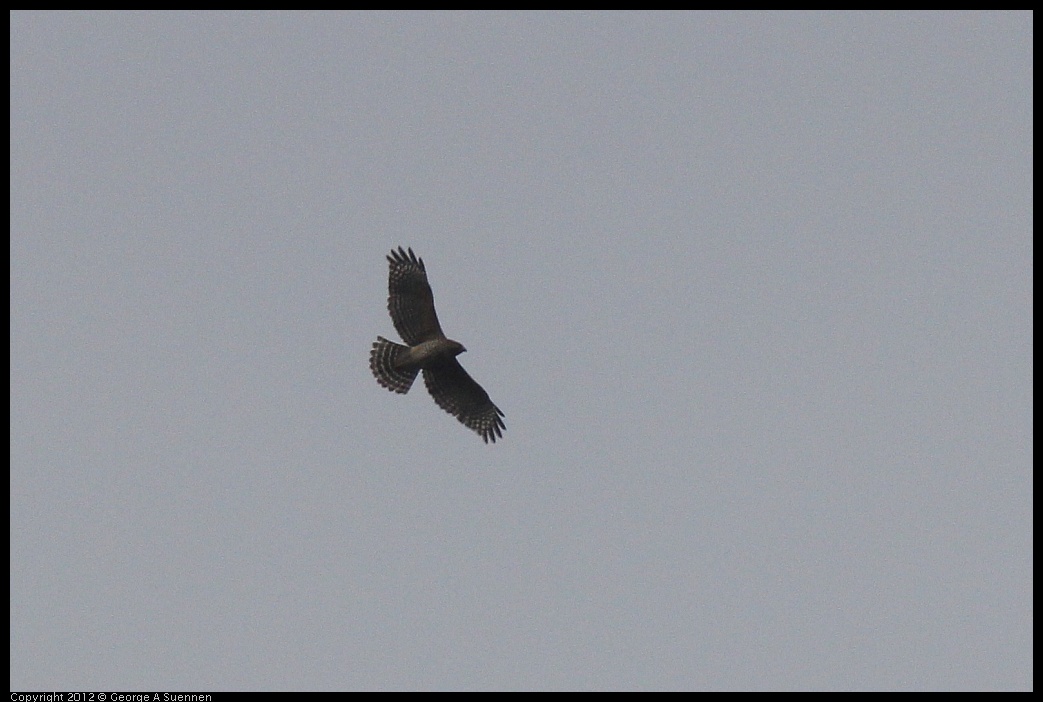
<point x="754" y="292"/>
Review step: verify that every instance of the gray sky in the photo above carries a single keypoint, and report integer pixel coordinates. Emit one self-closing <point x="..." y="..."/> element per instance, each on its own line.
<point x="753" y="290"/>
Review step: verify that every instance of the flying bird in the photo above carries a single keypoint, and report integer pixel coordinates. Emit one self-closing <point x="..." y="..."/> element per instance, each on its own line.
<point x="412" y="309"/>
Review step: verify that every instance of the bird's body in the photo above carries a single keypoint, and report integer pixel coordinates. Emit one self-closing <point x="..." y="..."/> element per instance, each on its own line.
<point x="395" y="366"/>
<point x="427" y="352"/>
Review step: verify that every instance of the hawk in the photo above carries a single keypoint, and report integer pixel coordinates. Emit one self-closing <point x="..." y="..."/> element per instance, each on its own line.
<point x="412" y="308"/>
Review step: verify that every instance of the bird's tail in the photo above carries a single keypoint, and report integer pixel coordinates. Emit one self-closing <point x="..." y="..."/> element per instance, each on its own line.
<point x="383" y="361"/>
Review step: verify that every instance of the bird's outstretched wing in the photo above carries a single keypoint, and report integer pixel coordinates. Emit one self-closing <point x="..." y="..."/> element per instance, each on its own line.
<point x="410" y="302"/>
<point x="457" y="393"/>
